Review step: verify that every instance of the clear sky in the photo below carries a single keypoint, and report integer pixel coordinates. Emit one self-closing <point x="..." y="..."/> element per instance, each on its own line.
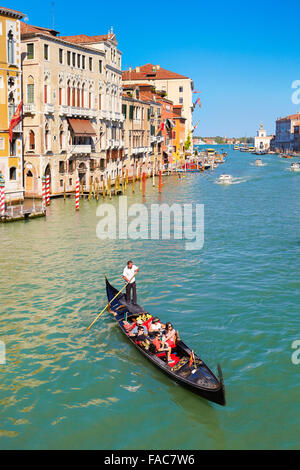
<point x="243" y="56"/>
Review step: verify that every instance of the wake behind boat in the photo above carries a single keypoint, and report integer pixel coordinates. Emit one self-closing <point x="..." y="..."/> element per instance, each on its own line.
<point x="186" y="367"/>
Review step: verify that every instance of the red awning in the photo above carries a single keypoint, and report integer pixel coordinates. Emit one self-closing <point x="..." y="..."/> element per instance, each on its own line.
<point x="82" y="127"/>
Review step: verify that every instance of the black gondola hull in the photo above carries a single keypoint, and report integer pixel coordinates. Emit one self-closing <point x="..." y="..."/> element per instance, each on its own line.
<point x="215" y="395"/>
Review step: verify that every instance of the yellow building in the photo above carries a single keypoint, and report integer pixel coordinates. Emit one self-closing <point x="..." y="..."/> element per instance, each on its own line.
<point x="11" y="160"/>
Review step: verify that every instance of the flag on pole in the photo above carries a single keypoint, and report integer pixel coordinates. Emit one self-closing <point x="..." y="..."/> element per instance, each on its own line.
<point x="17" y="117"/>
<point x="198" y="101"/>
<point x="195" y="126"/>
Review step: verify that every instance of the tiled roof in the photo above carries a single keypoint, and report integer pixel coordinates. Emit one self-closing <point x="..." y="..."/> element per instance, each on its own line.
<point x="29" y="29"/>
<point x="84" y="39"/>
<point x="291" y="116"/>
<point x="12" y="12"/>
<point x="147" y="72"/>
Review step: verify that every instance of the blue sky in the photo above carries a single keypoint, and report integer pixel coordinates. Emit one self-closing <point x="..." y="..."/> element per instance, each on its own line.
<point x="243" y="56"/>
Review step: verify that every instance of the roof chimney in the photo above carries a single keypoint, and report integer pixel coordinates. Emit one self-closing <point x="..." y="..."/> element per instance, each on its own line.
<point x="130" y="69"/>
<point x="137" y="69"/>
<point x="157" y="67"/>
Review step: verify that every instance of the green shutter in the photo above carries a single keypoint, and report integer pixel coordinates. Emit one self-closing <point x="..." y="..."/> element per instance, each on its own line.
<point x="124" y="110"/>
<point x="131" y="112"/>
<point x="148" y="114"/>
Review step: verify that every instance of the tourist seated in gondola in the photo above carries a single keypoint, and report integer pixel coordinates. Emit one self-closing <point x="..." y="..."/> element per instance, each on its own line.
<point x="141" y="338"/>
<point x="170" y="335"/>
<point x="155" y="326"/>
<point x="161" y="346"/>
<point x="134" y="330"/>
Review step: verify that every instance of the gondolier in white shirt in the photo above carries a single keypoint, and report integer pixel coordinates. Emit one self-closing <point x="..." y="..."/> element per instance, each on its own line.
<point x="128" y="275"/>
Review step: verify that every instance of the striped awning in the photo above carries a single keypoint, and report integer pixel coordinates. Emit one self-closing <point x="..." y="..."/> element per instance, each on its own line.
<point x="81" y="127"/>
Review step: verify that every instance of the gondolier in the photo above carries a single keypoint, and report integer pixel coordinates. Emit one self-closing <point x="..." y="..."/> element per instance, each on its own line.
<point x="129" y="277"/>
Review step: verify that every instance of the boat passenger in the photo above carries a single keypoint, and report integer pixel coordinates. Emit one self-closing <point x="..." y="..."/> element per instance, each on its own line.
<point x="134" y="331"/>
<point x="140" y="337"/>
<point x="170" y="335"/>
<point x="155" y="326"/>
<point x="161" y="346"/>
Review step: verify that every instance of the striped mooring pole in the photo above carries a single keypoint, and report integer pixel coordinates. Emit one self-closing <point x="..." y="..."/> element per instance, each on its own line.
<point x="159" y="181"/>
<point x="144" y="183"/>
<point x="2" y="196"/>
<point x="48" y="190"/>
<point x="44" y="191"/>
<point x="77" y="194"/>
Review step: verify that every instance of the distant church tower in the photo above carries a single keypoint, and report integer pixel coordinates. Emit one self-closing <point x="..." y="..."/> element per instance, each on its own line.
<point x="261" y="131"/>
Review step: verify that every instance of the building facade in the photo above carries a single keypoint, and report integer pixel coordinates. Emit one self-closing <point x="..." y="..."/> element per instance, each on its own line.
<point x="11" y="153"/>
<point x="178" y="88"/>
<point x="287" y="136"/>
<point x="262" y="140"/>
<point x="72" y="94"/>
<point x="142" y="120"/>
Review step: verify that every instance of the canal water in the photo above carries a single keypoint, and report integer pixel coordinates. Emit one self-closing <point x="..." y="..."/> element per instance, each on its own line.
<point x="235" y="301"/>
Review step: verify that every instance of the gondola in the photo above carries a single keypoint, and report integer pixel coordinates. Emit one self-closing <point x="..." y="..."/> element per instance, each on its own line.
<point x="197" y="377"/>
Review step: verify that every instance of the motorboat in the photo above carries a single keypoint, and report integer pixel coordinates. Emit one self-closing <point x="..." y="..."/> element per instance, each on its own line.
<point x="258" y="162"/>
<point x="295" y="167"/>
<point x="225" y="179"/>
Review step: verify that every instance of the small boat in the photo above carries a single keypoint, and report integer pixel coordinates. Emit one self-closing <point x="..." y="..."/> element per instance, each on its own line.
<point x="258" y="162"/>
<point x="193" y="374"/>
<point x="236" y="147"/>
<point x="225" y="179"/>
<point x="251" y="149"/>
<point x="286" y="156"/>
<point x="295" y="167"/>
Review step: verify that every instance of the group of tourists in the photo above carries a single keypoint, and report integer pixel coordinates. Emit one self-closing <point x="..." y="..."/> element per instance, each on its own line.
<point x="151" y="334"/>
<point x="157" y="337"/>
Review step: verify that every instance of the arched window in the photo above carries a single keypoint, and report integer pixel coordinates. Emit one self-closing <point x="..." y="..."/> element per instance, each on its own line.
<point x="69" y="94"/>
<point x="73" y="94"/>
<point x="12" y="173"/>
<point x="11" y="106"/>
<point x="82" y="96"/>
<point x="47" y="138"/>
<point x="30" y="90"/>
<point x="46" y="91"/>
<point x="78" y="95"/>
<point x="10" y="48"/>
<point x="61" y="138"/>
<point x="31" y="140"/>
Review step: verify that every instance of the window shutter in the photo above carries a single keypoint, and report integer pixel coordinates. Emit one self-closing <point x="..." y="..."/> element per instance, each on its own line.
<point x="131" y="112"/>
<point x="124" y="110"/>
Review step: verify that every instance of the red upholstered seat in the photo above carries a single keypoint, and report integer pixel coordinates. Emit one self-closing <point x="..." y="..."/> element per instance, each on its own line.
<point x="174" y="357"/>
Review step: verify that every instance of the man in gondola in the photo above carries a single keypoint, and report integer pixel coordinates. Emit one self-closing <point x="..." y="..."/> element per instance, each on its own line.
<point x="129" y="277"/>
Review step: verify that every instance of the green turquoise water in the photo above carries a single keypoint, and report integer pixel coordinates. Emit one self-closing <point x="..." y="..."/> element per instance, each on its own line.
<point x="235" y="302"/>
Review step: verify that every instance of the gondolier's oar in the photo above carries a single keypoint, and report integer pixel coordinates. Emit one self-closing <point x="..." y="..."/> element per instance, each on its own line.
<point x="102" y="311"/>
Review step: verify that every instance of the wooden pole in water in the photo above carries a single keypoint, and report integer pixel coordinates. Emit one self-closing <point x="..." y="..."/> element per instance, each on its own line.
<point x="64" y="191"/>
<point x="159" y="181"/>
<point x="144" y="184"/>
<point x="133" y="180"/>
<point x="82" y="188"/>
<point x="77" y="194"/>
<point x="48" y="190"/>
<point x="103" y="189"/>
<point x="97" y="197"/>
<point x="109" y="186"/>
<point x="44" y="191"/>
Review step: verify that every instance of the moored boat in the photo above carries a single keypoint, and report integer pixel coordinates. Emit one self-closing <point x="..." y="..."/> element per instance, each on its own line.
<point x="258" y="162"/>
<point x="186" y="367"/>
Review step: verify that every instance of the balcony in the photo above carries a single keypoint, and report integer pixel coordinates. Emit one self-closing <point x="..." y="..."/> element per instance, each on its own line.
<point x="18" y="128"/>
<point x="49" y="108"/>
<point x="78" y="112"/>
<point x="29" y="108"/>
<point x="80" y="149"/>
